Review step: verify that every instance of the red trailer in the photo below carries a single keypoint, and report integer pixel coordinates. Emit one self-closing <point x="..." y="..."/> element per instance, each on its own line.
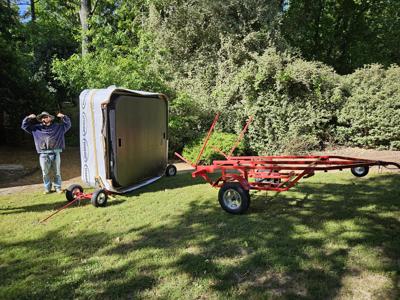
<point x="241" y="174"/>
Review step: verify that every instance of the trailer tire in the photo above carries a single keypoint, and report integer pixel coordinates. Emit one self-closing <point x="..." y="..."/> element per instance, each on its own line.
<point x="170" y="171"/>
<point x="360" y="171"/>
<point x="233" y="198"/>
<point x="72" y="190"/>
<point x="99" y="198"/>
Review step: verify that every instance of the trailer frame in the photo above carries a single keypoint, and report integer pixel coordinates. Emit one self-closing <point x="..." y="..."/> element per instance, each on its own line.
<point x="242" y="174"/>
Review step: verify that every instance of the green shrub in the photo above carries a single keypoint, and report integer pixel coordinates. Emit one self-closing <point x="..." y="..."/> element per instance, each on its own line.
<point x="294" y="103"/>
<point x="221" y="140"/>
<point x="370" y="117"/>
<point x="186" y="123"/>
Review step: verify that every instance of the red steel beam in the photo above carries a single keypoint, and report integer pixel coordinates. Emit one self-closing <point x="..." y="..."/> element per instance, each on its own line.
<point x="207" y="138"/>
<point x="240" y="136"/>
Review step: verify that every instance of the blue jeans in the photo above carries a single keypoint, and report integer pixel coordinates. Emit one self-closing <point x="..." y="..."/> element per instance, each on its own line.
<point x="51" y="161"/>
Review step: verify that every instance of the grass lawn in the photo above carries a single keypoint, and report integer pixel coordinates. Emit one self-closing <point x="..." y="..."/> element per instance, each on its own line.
<point x="333" y="236"/>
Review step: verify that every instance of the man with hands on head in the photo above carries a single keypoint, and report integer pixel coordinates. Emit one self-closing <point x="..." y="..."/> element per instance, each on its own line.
<point x="49" y="142"/>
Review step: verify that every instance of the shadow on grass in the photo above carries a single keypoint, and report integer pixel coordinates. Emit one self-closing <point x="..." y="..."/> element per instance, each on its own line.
<point x="165" y="183"/>
<point x="42" y="267"/>
<point x="51" y="206"/>
<point x="32" y="208"/>
<point x="276" y="244"/>
<point x="281" y="249"/>
<point x="168" y="183"/>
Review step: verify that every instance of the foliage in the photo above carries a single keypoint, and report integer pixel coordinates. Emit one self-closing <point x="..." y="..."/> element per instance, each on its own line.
<point x="219" y="141"/>
<point x="120" y="53"/>
<point x="199" y="42"/>
<point x="370" y="117"/>
<point x="186" y="122"/>
<point x="189" y="29"/>
<point x="102" y="69"/>
<point x="172" y="240"/>
<point x="294" y="102"/>
<point x="53" y="35"/>
<point x="271" y="59"/>
<point x="344" y="34"/>
<point x="21" y="93"/>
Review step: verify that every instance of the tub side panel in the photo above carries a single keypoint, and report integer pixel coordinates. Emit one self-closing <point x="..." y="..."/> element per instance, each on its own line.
<point x="92" y="143"/>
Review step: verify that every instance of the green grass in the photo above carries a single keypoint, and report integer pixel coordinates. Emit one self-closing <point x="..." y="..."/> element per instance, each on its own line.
<point x="334" y="235"/>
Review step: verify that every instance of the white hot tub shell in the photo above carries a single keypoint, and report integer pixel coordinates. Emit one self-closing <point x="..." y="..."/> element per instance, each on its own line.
<point x="123" y="138"/>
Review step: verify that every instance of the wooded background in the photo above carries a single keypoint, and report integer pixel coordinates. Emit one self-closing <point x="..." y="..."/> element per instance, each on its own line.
<point x="313" y="73"/>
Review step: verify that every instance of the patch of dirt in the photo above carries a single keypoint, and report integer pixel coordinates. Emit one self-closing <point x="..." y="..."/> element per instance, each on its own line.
<point x="29" y="159"/>
<point x="278" y="284"/>
<point x="366" y="285"/>
<point x="71" y="165"/>
<point x="32" y="178"/>
<point x="385" y="155"/>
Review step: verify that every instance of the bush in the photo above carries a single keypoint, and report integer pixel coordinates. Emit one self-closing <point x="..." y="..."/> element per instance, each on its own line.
<point x="294" y="103"/>
<point x="370" y="117"/>
<point x="186" y="122"/>
<point x="221" y="140"/>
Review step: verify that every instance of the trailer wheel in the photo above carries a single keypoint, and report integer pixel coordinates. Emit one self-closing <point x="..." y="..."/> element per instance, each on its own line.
<point x="360" y="171"/>
<point x="233" y="198"/>
<point x="72" y="190"/>
<point x="170" y="170"/>
<point x="99" y="198"/>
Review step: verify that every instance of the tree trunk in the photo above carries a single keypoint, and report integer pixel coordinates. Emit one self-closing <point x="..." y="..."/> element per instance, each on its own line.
<point x="317" y="39"/>
<point x="33" y="14"/>
<point x="2" y="133"/>
<point x="84" y="17"/>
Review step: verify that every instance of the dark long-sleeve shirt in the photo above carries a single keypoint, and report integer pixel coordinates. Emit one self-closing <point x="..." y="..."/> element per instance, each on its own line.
<point x="47" y="137"/>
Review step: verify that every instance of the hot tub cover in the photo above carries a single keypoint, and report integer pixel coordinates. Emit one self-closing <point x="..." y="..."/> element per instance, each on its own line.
<point x="123" y="138"/>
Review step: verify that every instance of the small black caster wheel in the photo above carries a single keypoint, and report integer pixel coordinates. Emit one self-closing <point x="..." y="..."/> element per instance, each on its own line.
<point x="360" y="171"/>
<point x="170" y="171"/>
<point x="72" y="191"/>
<point x="99" y="198"/>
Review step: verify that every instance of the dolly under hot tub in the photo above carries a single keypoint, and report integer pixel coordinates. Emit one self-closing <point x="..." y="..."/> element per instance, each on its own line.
<point x="123" y="142"/>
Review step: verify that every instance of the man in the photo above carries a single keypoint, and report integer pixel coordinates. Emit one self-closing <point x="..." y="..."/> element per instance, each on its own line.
<point x="49" y="143"/>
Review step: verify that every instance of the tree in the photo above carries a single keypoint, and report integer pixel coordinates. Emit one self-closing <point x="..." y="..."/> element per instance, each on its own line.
<point x="200" y="42"/>
<point x="20" y="91"/>
<point x="344" y="34"/>
<point x="85" y="14"/>
<point x="33" y="12"/>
